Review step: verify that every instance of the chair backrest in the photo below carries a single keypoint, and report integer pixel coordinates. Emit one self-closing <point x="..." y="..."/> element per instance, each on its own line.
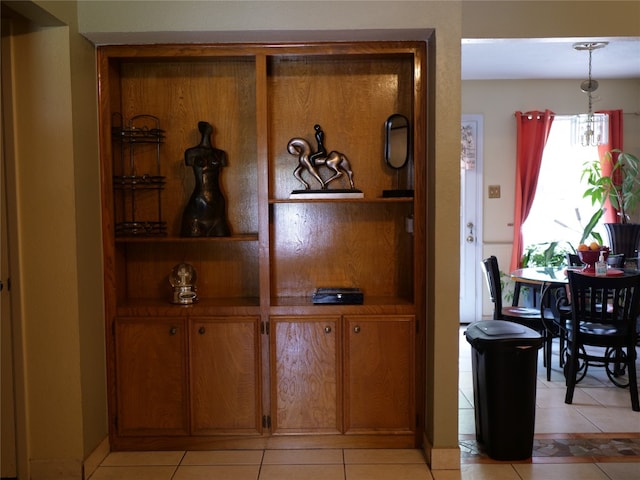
<point x="573" y="260"/>
<point x="616" y="260"/>
<point x="621" y="294"/>
<point x="492" y="276"/>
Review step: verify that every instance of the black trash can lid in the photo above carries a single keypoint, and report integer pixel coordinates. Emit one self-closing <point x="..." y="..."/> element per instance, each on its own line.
<point x="501" y="333"/>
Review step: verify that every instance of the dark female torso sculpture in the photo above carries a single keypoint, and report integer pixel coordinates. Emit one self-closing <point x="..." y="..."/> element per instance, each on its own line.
<point x="205" y="214"/>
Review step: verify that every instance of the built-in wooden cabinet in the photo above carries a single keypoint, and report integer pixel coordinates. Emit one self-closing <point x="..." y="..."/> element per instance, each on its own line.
<point x="379" y="391"/>
<point x="255" y="363"/>
<point x="328" y="381"/>
<point x="181" y="376"/>
<point x="306" y="374"/>
<point x="151" y="376"/>
<point x="224" y="375"/>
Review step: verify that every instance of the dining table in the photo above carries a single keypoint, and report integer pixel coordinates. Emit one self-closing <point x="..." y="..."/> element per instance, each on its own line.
<point x="548" y="279"/>
<point x="551" y="284"/>
<point x="555" y="276"/>
<point x="541" y="275"/>
<point x="541" y="280"/>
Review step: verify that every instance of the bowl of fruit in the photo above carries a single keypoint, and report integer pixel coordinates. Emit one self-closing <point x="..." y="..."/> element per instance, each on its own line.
<point x="589" y="255"/>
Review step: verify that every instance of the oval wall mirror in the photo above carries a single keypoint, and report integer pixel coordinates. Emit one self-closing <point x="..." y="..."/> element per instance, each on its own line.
<point x="396" y="149"/>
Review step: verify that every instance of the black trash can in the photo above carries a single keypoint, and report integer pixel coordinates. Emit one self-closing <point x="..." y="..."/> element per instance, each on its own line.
<point x="504" y="364"/>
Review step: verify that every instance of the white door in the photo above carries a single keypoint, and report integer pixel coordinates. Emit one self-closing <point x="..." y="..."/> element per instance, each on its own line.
<point x="471" y="289"/>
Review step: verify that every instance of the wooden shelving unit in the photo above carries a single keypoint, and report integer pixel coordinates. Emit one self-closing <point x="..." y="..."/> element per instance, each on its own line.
<point x="254" y="363"/>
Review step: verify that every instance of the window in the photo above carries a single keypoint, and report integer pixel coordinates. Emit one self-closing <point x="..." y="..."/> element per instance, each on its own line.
<point x="559" y="212"/>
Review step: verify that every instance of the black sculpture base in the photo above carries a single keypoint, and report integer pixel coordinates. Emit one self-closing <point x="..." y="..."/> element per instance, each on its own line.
<point x="327" y="193"/>
<point x="397" y="193"/>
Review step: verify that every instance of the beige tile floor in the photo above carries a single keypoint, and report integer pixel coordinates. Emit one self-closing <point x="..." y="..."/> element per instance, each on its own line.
<point x="598" y="410"/>
<point x="327" y="464"/>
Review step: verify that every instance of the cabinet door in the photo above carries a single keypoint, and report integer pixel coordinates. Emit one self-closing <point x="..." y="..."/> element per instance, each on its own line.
<point x="151" y="372"/>
<point x="379" y="374"/>
<point x="225" y="378"/>
<point x="306" y="392"/>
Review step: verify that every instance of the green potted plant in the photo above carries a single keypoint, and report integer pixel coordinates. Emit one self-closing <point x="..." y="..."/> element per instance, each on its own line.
<point x="622" y="188"/>
<point x="547" y="254"/>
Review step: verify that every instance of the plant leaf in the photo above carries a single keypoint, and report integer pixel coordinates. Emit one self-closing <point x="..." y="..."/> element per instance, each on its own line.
<point x="591" y="224"/>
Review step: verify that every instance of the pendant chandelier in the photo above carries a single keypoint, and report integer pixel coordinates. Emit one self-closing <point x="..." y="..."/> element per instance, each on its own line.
<point x="590" y="129"/>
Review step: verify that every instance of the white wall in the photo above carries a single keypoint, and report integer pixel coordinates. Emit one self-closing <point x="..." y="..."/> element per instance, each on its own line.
<point x="53" y="202"/>
<point x="497" y="101"/>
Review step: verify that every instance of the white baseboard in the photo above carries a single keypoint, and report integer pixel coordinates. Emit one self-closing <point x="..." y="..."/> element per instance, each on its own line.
<point x="95" y="458"/>
<point x="441" y="458"/>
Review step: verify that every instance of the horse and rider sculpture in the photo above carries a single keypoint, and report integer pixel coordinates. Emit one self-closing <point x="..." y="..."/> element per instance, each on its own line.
<point x="310" y="161"/>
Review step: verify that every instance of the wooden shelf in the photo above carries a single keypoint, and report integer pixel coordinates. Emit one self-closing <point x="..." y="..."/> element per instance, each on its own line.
<point x="343" y="200"/>
<point x="204" y="307"/>
<point x="370" y="306"/>
<point x="248" y="237"/>
<point x="255" y="333"/>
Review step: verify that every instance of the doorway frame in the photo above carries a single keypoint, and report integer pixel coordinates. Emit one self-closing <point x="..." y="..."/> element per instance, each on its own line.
<point x="11" y="310"/>
<point x="471" y="209"/>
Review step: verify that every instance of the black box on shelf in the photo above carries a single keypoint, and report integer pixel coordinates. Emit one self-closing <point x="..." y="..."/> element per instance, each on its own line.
<point x="340" y="296"/>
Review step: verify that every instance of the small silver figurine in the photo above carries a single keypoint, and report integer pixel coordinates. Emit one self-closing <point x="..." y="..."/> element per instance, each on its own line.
<point x="183" y="280"/>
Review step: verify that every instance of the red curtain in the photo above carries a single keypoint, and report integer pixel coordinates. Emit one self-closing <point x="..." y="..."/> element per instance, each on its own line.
<point x="532" y="134"/>
<point x="615" y="143"/>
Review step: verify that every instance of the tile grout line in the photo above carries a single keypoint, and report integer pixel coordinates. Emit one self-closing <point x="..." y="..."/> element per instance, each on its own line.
<point x="175" y="468"/>
<point x="344" y="466"/>
<point x="261" y="464"/>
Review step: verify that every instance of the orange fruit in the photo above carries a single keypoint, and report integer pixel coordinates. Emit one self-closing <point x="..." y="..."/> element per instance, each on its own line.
<point x="595" y="246"/>
<point x="583" y="247"/>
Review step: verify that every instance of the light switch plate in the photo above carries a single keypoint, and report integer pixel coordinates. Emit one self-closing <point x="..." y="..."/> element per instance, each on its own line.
<point x="494" y="191"/>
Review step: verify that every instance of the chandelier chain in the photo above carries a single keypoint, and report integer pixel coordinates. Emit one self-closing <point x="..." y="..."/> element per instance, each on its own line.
<point x="590" y="85"/>
<point x="590" y="129"/>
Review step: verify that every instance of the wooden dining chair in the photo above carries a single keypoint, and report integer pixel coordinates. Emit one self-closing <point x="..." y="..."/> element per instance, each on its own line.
<point x="531" y="317"/>
<point x="573" y="260"/>
<point x="603" y="330"/>
<point x="564" y="307"/>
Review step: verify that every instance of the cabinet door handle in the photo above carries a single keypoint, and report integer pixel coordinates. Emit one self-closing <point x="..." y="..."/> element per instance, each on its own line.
<point x="327" y="329"/>
<point x="356" y="329"/>
<point x="173" y="330"/>
<point x="201" y="330"/>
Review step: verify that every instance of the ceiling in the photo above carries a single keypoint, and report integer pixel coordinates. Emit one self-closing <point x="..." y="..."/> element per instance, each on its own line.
<point x="550" y="58"/>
